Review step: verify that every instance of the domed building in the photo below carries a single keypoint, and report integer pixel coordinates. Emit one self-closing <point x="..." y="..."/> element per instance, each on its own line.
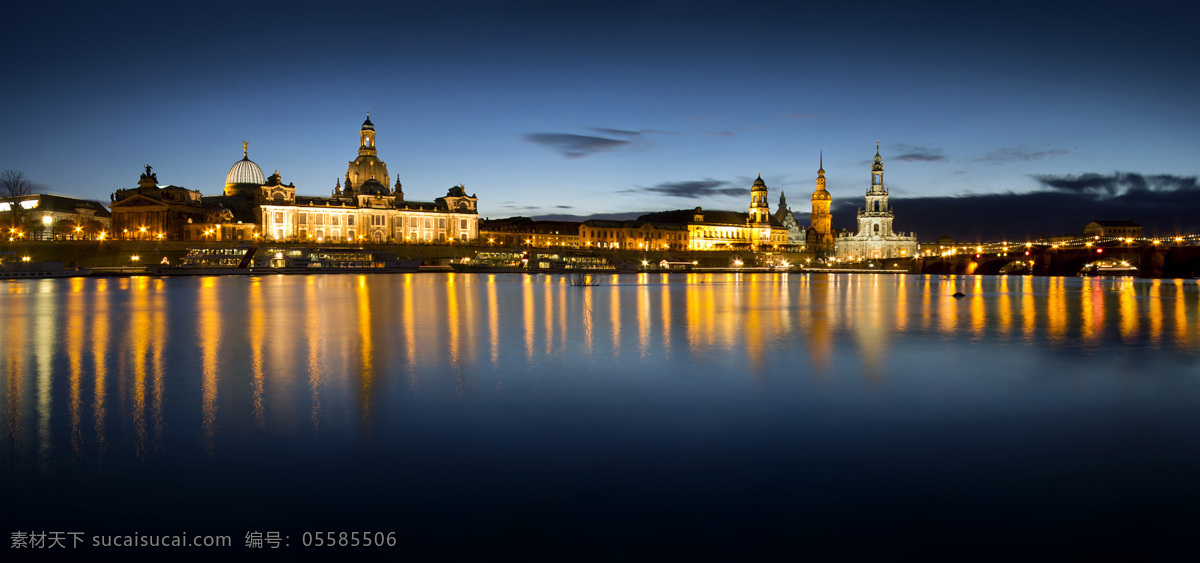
<point x="366" y="174"/>
<point x="363" y="208"/>
<point x="245" y="178"/>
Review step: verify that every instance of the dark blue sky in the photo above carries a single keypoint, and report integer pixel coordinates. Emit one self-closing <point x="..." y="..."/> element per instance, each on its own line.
<point x="594" y="107"/>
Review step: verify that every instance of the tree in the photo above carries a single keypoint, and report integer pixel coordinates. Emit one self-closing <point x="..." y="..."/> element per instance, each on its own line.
<point x="13" y="186"/>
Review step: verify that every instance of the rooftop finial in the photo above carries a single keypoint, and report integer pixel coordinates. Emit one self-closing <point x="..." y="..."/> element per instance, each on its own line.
<point x="822" y="165"/>
<point x="245" y="149"/>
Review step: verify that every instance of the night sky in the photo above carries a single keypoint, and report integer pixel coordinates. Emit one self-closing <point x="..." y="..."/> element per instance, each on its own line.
<point x="542" y="108"/>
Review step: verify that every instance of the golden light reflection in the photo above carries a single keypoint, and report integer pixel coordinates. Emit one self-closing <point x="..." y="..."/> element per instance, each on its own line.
<point x="548" y="311"/>
<point x="1003" y="305"/>
<point x="821" y="300"/>
<point x="664" y="307"/>
<point x="410" y="333"/>
<point x="1056" y="311"/>
<point x="1181" y="322"/>
<point x="99" y="333"/>
<point x="14" y="354"/>
<point x="208" y="335"/>
<point x="1029" y="314"/>
<point x="73" y="347"/>
<point x="494" y="323"/>
<point x="528" y="309"/>
<point x="158" y="320"/>
<point x="1154" y="303"/>
<point x="257" y="332"/>
<point x="614" y="302"/>
<point x="314" y="336"/>
<point x="45" y="334"/>
<point x="139" y="342"/>
<point x="366" y="350"/>
<point x="1128" y="312"/>
<point x="643" y="317"/>
<point x="588" y="322"/>
<point x="453" y="317"/>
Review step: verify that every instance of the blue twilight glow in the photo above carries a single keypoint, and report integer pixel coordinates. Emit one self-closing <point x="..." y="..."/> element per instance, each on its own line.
<point x="609" y="107"/>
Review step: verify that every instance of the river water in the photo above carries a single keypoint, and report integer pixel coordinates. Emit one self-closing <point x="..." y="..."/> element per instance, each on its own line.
<point x="651" y="416"/>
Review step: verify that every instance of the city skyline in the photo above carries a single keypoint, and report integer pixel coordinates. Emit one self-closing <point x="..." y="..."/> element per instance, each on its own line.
<point x="629" y="107"/>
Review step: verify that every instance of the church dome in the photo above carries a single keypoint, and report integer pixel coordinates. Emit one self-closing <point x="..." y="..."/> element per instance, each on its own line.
<point x="367" y="125"/>
<point x="759" y="183"/>
<point x="821" y="195"/>
<point x="245" y="171"/>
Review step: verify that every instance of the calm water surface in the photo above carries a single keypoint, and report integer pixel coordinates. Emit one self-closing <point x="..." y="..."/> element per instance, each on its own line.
<point x="649" y="416"/>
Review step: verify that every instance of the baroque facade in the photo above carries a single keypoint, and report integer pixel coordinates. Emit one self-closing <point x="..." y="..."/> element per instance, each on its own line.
<point x="874" y="238"/>
<point x="361" y="208"/>
<point x="153" y="212"/>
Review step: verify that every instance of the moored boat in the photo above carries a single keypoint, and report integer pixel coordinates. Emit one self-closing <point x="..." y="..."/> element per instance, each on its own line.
<point x="33" y="270"/>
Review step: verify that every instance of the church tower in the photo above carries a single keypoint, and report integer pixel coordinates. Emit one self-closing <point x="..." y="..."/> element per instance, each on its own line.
<point x="366" y="175"/>
<point x="876" y="220"/>
<point x="822" y="219"/>
<point x="760" y="210"/>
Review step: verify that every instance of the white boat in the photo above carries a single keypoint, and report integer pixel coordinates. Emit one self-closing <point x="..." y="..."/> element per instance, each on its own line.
<point x="254" y="260"/>
<point x="329" y="261"/>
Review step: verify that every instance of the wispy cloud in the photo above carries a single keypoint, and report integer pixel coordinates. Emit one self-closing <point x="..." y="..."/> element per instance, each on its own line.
<point x="693" y="189"/>
<point x="1018" y="154"/>
<point x="614" y="132"/>
<point x="1120" y="184"/>
<point x="915" y="153"/>
<point x="575" y="146"/>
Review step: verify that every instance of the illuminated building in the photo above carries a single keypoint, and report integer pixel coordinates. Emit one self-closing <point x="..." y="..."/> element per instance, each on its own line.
<point x="1119" y="229"/>
<point x="633" y="235"/>
<point x="820" y="232"/>
<point x="48" y="217"/>
<point x="150" y="210"/>
<point x="874" y="238"/>
<point x="363" y="208"/>
<point x="729" y="230"/>
<point x="523" y="231"/>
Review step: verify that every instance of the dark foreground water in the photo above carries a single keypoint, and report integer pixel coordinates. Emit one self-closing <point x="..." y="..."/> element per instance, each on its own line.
<point x="651" y="417"/>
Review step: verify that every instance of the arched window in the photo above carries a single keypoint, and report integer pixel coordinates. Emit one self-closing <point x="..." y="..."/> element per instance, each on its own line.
<point x="876" y="228"/>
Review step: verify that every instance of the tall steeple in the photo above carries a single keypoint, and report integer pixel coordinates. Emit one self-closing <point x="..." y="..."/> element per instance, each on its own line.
<point x="877" y="172"/>
<point x="821" y="218"/>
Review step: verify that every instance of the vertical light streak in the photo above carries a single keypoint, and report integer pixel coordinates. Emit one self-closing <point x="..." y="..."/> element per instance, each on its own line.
<point x="208" y="333"/>
<point x="527" y="295"/>
<point x="1155" y="314"/>
<point x="494" y="321"/>
<point x="643" y="318"/>
<point x="366" y="351"/>
<point x="99" y="334"/>
<point x="45" y="335"/>
<point x="74" y="349"/>
<point x="139" y="337"/>
<point x="257" y="328"/>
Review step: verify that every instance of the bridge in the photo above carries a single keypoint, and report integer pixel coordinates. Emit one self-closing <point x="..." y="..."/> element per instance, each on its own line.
<point x="1173" y="257"/>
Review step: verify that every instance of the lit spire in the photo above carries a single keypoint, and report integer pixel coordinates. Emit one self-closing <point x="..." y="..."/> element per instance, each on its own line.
<point x="821" y="167"/>
<point x="245" y="149"/>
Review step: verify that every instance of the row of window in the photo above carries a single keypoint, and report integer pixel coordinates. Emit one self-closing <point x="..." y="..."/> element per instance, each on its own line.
<point x="377" y="220"/>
